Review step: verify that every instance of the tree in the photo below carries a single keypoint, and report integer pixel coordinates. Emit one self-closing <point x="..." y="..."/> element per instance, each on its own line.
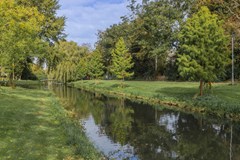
<point x="19" y="29"/>
<point x="52" y="28"/>
<point x="203" y="48"/>
<point x="82" y="67"/>
<point x="157" y="28"/>
<point x="95" y="65"/>
<point x="121" y="61"/>
<point x="229" y="12"/>
<point x="107" y="40"/>
<point x="68" y="55"/>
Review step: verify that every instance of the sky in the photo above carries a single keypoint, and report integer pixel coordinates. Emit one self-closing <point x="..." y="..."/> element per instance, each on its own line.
<point x="86" y="17"/>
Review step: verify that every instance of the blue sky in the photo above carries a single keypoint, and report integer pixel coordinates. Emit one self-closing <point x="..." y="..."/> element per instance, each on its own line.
<point x="86" y="17"/>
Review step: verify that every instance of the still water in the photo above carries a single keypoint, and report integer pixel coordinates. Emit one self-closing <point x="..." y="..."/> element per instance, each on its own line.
<point x="122" y="129"/>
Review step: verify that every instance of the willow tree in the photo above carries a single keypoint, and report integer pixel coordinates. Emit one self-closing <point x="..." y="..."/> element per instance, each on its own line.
<point x="68" y="55"/>
<point x="121" y="61"/>
<point x="19" y="29"/>
<point x="203" y="48"/>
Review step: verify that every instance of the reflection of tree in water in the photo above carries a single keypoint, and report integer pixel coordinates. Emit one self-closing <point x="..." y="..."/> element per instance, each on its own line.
<point x="203" y="139"/>
<point x="75" y="101"/>
<point x="151" y="140"/>
<point x="97" y="107"/>
<point x="121" y="122"/>
<point x="197" y="140"/>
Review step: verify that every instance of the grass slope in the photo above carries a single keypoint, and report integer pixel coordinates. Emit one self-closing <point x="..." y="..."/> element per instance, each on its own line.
<point x="223" y="99"/>
<point x="31" y="127"/>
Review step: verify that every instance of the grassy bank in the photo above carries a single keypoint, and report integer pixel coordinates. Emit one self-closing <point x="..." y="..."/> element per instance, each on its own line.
<point x="222" y="100"/>
<point x="34" y="126"/>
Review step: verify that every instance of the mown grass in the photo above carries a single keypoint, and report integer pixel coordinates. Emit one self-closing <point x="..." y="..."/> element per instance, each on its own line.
<point x="34" y="127"/>
<point x="223" y="99"/>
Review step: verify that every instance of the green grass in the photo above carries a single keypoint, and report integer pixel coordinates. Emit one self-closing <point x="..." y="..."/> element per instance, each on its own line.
<point x="34" y="127"/>
<point x="223" y="99"/>
<point x="22" y="83"/>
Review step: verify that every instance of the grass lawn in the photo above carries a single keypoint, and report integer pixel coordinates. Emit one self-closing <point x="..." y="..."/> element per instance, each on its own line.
<point x="222" y="98"/>
<point x="31" y="127"/>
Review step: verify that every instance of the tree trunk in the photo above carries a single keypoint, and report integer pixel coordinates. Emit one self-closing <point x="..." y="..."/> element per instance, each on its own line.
<point x="13" y="75"/>
<point x="201" y="87"/>
<point x="156" y="63"/>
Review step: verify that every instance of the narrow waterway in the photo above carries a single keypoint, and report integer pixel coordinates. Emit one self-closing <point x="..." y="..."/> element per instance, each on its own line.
<point x="122" y="129"/>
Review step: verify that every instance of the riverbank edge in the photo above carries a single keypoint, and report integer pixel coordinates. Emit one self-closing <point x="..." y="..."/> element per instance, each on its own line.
<point x="183" y="106"/>
<point x="76" y="137"/>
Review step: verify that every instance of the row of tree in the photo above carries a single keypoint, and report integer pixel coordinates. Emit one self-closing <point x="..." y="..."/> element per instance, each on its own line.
<point x="78" y="62"/>
<point x="32" y="37"/>
<point x="156" y="31"/>
<point x="187" y="39"/>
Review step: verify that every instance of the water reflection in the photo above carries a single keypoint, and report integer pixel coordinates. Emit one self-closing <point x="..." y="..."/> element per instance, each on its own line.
<point x="123" y="129"/>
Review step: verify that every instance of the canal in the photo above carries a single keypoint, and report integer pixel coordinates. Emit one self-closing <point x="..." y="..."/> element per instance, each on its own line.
<point x="122" y="129"/>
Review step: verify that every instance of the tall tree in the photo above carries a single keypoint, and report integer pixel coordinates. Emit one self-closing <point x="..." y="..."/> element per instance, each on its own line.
<point x="203" y="48"/>
<point x="228" y="11"/>
<point x="19" y="30"/>
<point x="52" y="28"/>
<point x="155" y="26"/>
<point x="121" y="60"/>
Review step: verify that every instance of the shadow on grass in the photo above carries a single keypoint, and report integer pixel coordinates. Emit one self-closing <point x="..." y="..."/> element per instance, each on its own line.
<point x="28" y="131"/>
<point x="178" y="93"/>
<point x="119" y="86"/>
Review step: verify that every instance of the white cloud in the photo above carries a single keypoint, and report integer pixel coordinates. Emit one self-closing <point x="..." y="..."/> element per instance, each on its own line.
<point x="86" y="17"/>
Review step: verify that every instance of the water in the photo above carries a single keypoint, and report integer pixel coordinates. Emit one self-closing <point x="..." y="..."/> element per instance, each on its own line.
<point x="122" y="129"/>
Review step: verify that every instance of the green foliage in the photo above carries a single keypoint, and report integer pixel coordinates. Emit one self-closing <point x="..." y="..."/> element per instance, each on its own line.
<point x="53" y="26"/>
<point x="227" y="11"/>
<point x="82" y="67"/>
<point x="51" y="30"/>
<point x="149" y="33"/>
<point x="121" y="121"/>
<point x="203" y="48"/>
<point x="95" y="65"/>
<point x="38" y="72"/>
<point x="19" y="30"/>
<point x="91" y="66"/>
<point x="121" y="61"/>
<point x="156" y="29"/>
<point x="68" y="55"/>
